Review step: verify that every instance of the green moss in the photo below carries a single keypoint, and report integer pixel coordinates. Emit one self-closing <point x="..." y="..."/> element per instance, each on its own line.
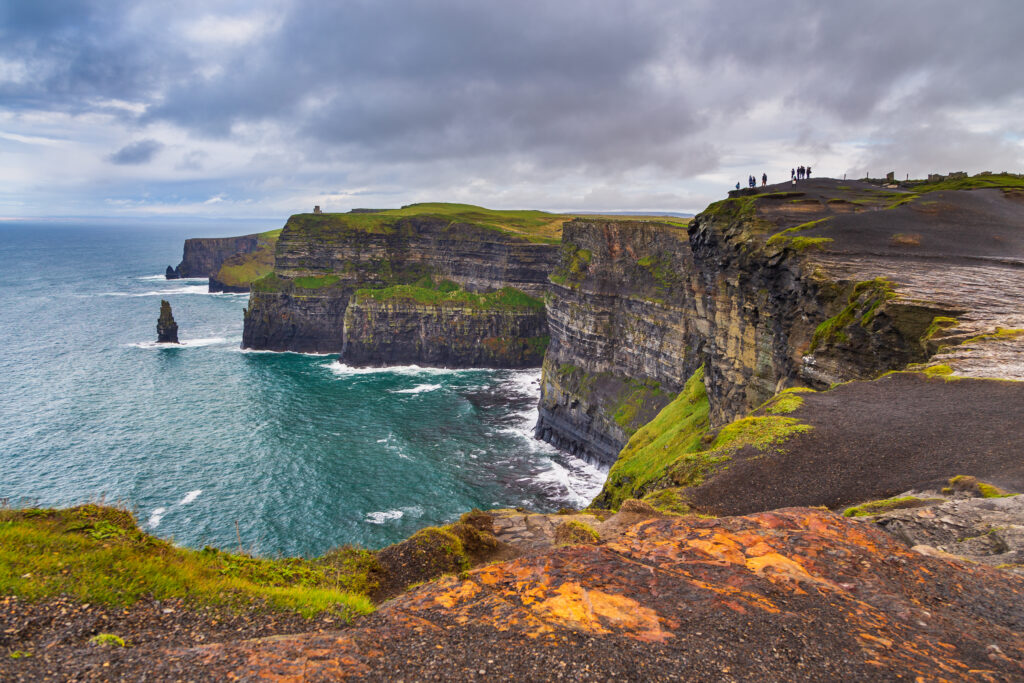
<point x="789" y="237"/>
<point x="630" y="402"/>
<point x="107" y="639"/>
<point x="877" y="507"/>
<point x="573" y="532"/>
<point x="572" y="267"/>
<point x="863" y="303"/>
<point x="19" y="654"/>
<point x="1005" y="333"/>
<point x="505" y="299"/>
<point x="966" y="484"/>
<point x="676" y="430"/>
<point x="244" y="269"/>
<point x="98" y="555"/>
<point x="939" y="323"/>
<point x="669" y="500"/>
<point x="786" y="401"/>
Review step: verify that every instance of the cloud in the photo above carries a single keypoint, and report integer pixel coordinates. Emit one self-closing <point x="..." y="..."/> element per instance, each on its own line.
<point x="531" y="101"/>
<point x="140" y="152"/>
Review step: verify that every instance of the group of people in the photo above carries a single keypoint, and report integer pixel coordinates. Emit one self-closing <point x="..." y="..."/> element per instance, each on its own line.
<point x="795" y="174"/>
<point x="752" y="181"/>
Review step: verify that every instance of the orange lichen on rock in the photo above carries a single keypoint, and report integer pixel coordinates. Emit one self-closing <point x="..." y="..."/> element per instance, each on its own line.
<point x="791" y="594"/>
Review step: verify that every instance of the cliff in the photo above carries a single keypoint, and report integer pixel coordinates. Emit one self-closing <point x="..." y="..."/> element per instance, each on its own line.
<point x="830" y="283"/>
<point x="203" y="256"/>
<point x="322" y="259"/>
<point x="797" y="286"/>
<point x="237" y="273"/>
<point x="454" y="328"/>
<point x="623" y="341"/>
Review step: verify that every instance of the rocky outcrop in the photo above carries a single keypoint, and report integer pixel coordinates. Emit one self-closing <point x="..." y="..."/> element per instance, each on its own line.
<point x="824" y="282"/>
<point x="795" y="594"/>
<point x="203" y="256"/>
<point x="986" y="527"/>
<point x="322" y="259"/>
<point x="384" y="327"/>
<point x="166" y="328"/>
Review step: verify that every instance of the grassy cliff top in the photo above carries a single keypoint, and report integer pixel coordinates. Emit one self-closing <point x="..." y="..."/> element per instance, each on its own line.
<point x="535" y="226"/>
<point x="244" y="269"/>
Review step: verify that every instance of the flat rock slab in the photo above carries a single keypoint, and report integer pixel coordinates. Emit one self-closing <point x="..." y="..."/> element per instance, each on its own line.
<point x="794" y="594"/>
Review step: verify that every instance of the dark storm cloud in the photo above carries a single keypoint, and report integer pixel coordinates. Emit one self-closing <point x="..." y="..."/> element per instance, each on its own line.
<point x="596" y="85"/>
<point x="140" y="152"/>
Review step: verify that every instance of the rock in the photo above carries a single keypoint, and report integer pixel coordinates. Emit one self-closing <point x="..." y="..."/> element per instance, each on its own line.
<point x="203" y="256"/>
<point x="795" y="594"/>
<point x="171" y="274"/>
<point x="166" y="328"/>
<point x="321" y="260"/>
<point x="984" y="530"/>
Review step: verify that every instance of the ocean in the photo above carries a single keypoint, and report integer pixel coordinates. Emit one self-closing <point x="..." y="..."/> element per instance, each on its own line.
<point x="301" y="452"/>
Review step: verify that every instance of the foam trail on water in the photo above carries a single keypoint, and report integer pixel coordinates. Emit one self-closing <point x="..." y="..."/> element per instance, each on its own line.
<point x="384" y="516"/>
<point x="418" y="389"/>
<point x="188" y="343"/>
<point x="155" y="517"/>
<point x="342" y="370"/>
<point x="190" y="496"/>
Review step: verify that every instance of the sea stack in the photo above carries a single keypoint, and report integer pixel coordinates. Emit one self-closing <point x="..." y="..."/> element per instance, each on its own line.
<point x="166" y="328"/>
<point x="171" y="273"/>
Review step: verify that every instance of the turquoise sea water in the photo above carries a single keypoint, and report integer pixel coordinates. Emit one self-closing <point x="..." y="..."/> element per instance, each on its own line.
<point x="302" y="452"/>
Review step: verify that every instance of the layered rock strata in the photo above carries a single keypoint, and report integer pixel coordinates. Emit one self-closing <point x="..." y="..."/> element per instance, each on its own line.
<point x="622" y="339"/>
<point x="810" y="285"/>
<point x="399" y="329"/>
<point x="321" y="260"/>
<point x="203" y="256"/>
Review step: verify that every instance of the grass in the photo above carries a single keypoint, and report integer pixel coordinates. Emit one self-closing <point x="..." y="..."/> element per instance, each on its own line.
<point x="572" y="268"/>
<point x="443" y="295"/>
<point x="790" y="236"/>
<point x="632" y="401"/>
<point x="877" y="507"/>
<point x="863" y="304"/>
<point x="786" y="401"/>
<point x="573" y="532"/>
<point x="244" y="269"/>
<point x="104" y="639"/>
<point x="535" y="226"/>
<point x="98" y="555"/>
<point x="676" y="430"/>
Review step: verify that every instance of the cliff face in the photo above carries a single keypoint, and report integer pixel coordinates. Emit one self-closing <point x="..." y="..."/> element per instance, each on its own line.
<point x="807" y="286"/>
<point x="321" y="260"/>
<point x="622" y="339"/>
<point x="400" y="329"/>
<point x="203" y="256"/>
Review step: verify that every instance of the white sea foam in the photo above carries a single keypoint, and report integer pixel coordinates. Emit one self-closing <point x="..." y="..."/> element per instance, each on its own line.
<point x="155" y="517"/>
<point x="577" y="482"/>
<point x="342" y="370"/>
<point x="418" y="389"/>
<point x="522" y="382"/>
<point x="163" y="278"/>
<point x="296" y="353"/>
<point x="188" y="343"/>
<point x="190" y="496"/>
<point x="385" y="516"/>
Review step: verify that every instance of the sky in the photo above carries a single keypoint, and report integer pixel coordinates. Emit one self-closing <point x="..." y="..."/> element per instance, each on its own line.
<point x="263" y="108"/>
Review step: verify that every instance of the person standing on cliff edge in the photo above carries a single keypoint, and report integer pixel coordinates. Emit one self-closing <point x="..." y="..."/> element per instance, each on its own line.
<point x="764" y="179"/>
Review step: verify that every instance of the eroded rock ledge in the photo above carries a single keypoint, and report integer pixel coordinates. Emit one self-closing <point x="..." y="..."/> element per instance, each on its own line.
<point x="791" y="594"/>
